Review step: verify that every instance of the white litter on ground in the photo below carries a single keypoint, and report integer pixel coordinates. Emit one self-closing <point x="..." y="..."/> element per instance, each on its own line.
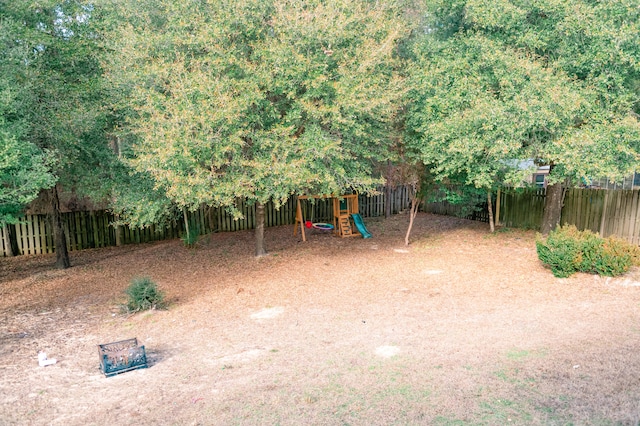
<point x="44" y="361"/>
<point x="387" y="351"/>
<point x="401" y="251"/>
<point x="267" y="313"/>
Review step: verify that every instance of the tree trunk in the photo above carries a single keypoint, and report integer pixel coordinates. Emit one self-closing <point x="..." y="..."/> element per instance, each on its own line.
<point x="12" y="248"/>
<point x="186" y="224"/>
<point x="115" y="145"/>
<point x="492" y="226"/>
<point x="552" y="208"/>
<point x="119" y="233"/>
<point x="260" y="250"/>
<point x="415" y="204"/>
<point x="59" y="237"/>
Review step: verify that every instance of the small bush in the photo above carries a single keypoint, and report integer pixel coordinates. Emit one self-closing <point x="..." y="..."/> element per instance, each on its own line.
<point x="567" y="250"/>
<point x="143" y="294"/>
<point x="189" y="239"/>
<point x="560" y="252"/>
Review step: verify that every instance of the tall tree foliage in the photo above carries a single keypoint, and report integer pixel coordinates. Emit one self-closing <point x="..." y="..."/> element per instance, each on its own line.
<point x="57" y="116"/>
<point x="24" y="168"/>
<point x="257" y="99"/>
<point x="555" y="81"/>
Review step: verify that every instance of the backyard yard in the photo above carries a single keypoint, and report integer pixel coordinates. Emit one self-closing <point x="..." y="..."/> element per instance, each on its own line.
<point x="460" y="327"/>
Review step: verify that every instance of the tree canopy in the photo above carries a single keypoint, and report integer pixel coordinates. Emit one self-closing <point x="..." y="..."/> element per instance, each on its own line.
<point x="54" y="114"/>
<point x="208" y="102"/>
<point x="498" y="82"/>
<point x="257" y="99"/>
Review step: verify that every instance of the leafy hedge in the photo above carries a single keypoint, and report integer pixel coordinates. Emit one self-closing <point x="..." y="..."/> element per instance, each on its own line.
<point x="568" y="250"/>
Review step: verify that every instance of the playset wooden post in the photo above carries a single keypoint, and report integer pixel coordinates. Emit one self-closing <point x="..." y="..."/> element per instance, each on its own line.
<point x="300" y="219"/>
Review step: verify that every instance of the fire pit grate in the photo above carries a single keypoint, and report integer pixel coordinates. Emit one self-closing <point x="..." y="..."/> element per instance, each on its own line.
<point x="121" y="356"/>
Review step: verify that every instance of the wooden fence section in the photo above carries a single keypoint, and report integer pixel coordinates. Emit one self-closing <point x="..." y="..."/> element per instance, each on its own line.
<point x="521" y="208"/>
<point x="605" y="211"/>
<point x="609" y="212"/>
<point x="84" y="230"/>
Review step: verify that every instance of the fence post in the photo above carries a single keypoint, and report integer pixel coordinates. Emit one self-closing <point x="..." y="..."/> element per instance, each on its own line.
<point x="6" y="241"/>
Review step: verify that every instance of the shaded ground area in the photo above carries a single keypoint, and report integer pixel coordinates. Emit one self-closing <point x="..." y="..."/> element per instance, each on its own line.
<point x="460" y="327"/>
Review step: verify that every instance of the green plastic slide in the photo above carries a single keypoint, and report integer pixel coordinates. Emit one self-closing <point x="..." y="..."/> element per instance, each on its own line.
<point x="357" y="219"/>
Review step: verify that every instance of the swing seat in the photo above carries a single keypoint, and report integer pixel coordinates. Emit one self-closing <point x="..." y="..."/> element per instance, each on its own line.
<point x="323" y="226"/>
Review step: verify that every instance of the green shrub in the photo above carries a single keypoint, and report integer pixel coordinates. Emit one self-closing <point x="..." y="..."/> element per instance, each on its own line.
<point x="560" y="252"/>
<point x="143" y="294"/>
<point x="567" y="250"/>
<point x="189" y="239"/>
<point x="615" y="259"/>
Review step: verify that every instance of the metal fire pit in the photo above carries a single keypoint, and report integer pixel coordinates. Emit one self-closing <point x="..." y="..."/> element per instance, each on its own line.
<point x="121" y="356"/>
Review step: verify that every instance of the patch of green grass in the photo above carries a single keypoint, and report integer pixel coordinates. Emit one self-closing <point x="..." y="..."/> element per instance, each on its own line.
<point x="503" y="411"/>
<point x="523" y="354"/>
<point x="448" y="421"/>
<point x="518" y="355"/>
<point x="506" y="376"/>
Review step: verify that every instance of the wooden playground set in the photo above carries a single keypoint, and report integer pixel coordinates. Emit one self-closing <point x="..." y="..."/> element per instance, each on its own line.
<point x="347" y="221"/>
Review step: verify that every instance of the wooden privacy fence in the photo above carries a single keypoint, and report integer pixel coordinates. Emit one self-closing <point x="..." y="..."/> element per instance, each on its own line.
<point x="606" y="211"/>
<point x="521" y="208"/>
<point x="94" y="229"/>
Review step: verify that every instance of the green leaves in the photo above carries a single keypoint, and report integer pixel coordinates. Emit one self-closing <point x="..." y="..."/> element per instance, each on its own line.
<point x="256" y="99"/>
<point x="24" y="171"/>
<point x="53" y="119"/>
<point x="514" y="80"/>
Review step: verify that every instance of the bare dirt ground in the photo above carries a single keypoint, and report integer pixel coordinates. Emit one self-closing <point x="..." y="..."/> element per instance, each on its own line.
<point x="460" y="327"/>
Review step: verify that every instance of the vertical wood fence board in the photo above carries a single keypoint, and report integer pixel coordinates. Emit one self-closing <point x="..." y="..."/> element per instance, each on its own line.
<point x="636" y="234"/>
<point x="32" y="223"/>
<point x="633" y="218"/>
<point x="622" y="213"/>
<point x="34" y="238"/>
<point x="594" y="225"/>
<point x="19" y="232"/>
<point x="633" y="207"/>
<point x="578" y="207"/>
<point x="82" y="231"/>
<point x="626" y="213"/>
<point x="20" y="237"/>
<point x="611" y="217"/>
<point x="616" y="216"/>
<point x="70" y="230"/>
<point x="4" y="241"/>
<point x="591" y="211"/>
<point x="77" y="232"/>
<point x="49" y="234"/>
<point x="39" y="232"/>
<point x="28" y="234"/>
<point x="628" y="226"/>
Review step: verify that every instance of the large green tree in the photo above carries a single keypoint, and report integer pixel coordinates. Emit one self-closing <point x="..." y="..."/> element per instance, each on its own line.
<point x="554" y="81"/>
<point x="53" y="104"/>
<point x="257" y="99"/>
<point x="24" y="168"/>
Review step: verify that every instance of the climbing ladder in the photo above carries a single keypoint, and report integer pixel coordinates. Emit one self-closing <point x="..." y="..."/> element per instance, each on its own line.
<point x="344" y="226"/>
